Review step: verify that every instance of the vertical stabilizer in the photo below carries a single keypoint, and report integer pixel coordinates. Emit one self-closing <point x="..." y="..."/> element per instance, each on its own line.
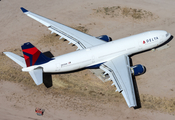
<point x="33" y="56"/>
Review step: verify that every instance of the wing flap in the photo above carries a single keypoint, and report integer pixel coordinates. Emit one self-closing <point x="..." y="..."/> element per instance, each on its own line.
<point x="80" y="39"/>
<point x="119" y="72"/>
<point x="69" y="38"/>
<point x="113" y="77"/>
<point x="37" y="75"/>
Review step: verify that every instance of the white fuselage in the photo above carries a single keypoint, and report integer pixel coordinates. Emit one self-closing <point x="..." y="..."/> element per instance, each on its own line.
<point x="104" y="52"/>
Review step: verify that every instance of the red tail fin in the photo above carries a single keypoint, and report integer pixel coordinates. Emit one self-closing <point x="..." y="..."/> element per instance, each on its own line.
<point x="33" y="56"/>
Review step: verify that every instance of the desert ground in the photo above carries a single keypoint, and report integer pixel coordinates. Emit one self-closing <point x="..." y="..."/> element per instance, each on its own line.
<point x="81" y="95"/>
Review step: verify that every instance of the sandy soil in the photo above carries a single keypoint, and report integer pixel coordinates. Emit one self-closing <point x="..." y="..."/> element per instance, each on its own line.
<point x="94" y="100"/>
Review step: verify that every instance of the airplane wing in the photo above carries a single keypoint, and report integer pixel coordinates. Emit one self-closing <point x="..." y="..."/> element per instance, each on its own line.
<point x="80" y="39"/>
<point x="120" y="73"/>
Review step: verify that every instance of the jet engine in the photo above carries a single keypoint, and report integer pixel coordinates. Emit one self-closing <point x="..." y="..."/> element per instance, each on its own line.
<point x="137" y="69"/>
<point x="105" y="38"/>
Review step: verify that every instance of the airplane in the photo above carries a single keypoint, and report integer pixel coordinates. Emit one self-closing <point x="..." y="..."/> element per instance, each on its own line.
<point x="92" y="52"/>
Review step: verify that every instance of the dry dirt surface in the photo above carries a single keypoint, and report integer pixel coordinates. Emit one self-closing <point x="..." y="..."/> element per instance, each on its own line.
<point x="81" y="95"/>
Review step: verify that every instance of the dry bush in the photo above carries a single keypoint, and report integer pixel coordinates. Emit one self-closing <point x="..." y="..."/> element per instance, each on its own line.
<point x="116" y="11"/>
<point x="49" y="39"/>
<point x="85" y="84"/>
<point x="126" y="11"/>
<point x="80" y="84"/>
<point x="53" y="38"/>
<point x="10" y="71"/>
<point x="81" y="28"/>
<point x="157" y="103"/>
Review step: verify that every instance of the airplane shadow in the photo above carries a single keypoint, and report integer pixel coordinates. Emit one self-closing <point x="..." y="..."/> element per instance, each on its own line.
<point x="47" y="77"/>
<point x="47" y="80"/>
<point x="48" y="54"/>
<point x="165" y="42"/>
<point x="136" y="88"/>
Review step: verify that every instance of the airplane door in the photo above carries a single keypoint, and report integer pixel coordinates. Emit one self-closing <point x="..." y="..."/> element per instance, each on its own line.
<point x="93" y="59"/>
<point x="141" y="43"/>
<point x="58" y="68"/>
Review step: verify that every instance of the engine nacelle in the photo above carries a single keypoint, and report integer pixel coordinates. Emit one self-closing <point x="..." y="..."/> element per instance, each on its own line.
<point x="105" y="38"/>
<point x="137" y="69"/>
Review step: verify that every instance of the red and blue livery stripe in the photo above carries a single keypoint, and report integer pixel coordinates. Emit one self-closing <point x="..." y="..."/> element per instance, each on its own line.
<point x="33" y="56"/>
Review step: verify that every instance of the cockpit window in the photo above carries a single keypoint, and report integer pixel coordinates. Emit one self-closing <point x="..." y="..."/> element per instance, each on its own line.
<point x="167" y="34"/>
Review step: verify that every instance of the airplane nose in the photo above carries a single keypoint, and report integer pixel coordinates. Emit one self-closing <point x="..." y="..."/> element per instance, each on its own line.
<point x="164" y="36"/>
<point x="168" y="35"/>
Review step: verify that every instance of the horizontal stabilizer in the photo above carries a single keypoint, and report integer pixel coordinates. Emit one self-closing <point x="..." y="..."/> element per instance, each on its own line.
<point x="18" y="59"/>
<point x="37" y="75"/>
